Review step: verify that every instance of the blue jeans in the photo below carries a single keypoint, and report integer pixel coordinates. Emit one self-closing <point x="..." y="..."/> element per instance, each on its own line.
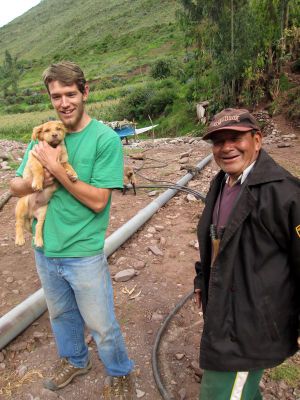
<point x="79" y="292"/>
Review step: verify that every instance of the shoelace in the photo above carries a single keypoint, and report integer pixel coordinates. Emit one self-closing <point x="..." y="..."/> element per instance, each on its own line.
<point x="62" y="369"/>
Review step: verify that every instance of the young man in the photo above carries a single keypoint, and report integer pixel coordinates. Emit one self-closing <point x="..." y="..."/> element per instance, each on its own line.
<point x="71" y="265"/>
<point x="248" y="280"/>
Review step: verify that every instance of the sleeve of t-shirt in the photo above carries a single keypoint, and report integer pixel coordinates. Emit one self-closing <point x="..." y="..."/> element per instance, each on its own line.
<point x="20" y="170"/>
<point x="109" y="165"/>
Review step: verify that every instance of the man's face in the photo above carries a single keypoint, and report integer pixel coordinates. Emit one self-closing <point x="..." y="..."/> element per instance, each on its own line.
<point x="234" y="151"/>
<point x="68" y="102"/>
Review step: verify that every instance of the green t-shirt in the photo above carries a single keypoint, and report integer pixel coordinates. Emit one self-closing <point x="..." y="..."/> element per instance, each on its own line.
<point x="71" y="229"/>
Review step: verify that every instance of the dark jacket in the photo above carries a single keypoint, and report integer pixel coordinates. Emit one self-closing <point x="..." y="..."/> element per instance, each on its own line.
<point x="251" y="311"/>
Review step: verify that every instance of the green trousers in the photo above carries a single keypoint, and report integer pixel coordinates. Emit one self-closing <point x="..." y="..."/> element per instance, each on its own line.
<point x="230" y="385"/>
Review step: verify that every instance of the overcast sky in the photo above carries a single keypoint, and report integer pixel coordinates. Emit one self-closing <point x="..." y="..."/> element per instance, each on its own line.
<point x="14" y="8"/>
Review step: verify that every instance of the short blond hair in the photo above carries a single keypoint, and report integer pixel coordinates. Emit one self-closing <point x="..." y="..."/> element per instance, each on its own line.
<point x="65" y="72"/>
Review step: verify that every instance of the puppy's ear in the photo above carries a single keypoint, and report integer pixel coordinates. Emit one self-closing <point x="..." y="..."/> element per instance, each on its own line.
<point x="36" y="133"/>
<point x="63" y="127"/>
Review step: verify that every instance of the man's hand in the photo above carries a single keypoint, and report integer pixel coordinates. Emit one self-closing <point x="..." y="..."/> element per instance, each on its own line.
<point x="48" y="178"/>
<point x="47" y="155"/>
<point x="198" y="298"/>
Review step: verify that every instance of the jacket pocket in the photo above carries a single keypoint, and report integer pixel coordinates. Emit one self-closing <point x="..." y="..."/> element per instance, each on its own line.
<point x="269" y="320"/>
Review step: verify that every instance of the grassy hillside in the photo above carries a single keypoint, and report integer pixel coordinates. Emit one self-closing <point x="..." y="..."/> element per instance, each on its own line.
<point x="106" y="38"/>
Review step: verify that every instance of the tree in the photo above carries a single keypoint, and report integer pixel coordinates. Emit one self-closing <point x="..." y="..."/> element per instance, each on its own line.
<point x="240" y="40"/>
<point x="10" y="74"/>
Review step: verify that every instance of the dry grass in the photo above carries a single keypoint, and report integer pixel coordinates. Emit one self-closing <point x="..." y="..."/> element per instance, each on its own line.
<point x="10" y="383"/>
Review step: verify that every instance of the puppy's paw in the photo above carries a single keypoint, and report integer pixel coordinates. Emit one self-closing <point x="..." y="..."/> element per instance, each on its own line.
<point x="19" y="241"/>
<point x="37" y="186"/>
<point x="38" y="242"/>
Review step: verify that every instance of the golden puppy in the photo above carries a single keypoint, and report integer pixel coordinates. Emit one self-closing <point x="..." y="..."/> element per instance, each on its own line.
<point x="35" y="205"/>
<point x="129" y="178"/>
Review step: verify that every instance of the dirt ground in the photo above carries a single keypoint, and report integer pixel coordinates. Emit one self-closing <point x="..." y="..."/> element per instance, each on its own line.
<point x="160" y="282"/>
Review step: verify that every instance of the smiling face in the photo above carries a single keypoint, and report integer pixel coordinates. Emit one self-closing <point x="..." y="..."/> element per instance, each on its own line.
<point x="235" y="151"/>
<point x="68" y="102"/>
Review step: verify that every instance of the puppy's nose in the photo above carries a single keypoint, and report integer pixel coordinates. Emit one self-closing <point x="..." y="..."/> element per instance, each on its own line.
<point x="54" y="135"/>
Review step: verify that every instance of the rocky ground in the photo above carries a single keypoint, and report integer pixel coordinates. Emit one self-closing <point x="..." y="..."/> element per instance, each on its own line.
<point x="160" y="257"/>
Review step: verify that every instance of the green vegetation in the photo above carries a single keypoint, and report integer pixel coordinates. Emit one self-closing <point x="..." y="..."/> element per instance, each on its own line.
<point x="145" y="58"/>
<point x="288" y="372"/>
<point x="238" y="47"/>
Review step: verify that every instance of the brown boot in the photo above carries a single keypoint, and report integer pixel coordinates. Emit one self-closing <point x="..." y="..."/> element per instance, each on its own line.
<point x="63" y="374"/>
<point x="119" y="388"/>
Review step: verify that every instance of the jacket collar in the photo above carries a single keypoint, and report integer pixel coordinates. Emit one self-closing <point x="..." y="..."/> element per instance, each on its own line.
<point x="265" y="170"/>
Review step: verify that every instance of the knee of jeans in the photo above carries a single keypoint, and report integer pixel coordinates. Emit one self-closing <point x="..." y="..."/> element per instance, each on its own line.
<point x="105" y="334"/>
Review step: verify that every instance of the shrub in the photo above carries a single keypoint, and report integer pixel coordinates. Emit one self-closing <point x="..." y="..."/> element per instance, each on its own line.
<point x="161" y="69"/>
<point x="132" y="106"/>
<point x="157" y="103"/>
<point x="145" y="101"/>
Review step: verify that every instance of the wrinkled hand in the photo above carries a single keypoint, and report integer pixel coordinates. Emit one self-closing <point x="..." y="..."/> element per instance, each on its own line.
<point x="198" y="298"/>
<point x="48" y="156"/>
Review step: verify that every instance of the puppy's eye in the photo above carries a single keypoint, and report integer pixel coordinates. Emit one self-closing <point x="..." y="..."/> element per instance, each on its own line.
<point x="47" y="130"/>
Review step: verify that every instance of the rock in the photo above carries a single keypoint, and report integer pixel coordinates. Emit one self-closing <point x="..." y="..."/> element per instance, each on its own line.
<point x="4" y="156"/>
<point x="179" y="356"/>
<point x="148" y="235"/>
<point x="194" y="244"/>
<point x="156" y="317"/>
<point x="125" y="275"/>
<point x="290" y="136"/>
<point x="195" y="366"/>
<point x="2" y="366"/>
<point x="191" y="197"/>
<point x="140" y="393"/>
<point x="151" y="229"/>
<point x="184" y="155"/>
<point x="182" y="394"/>
<point x="38" y="335"/>
<point x="184" y="160"/>
<point x="10" y="279"/>
<point x="162" y="241"/>
<point x="159" y="228"/>
<point x="1" y="357"/>
<point x="21" y="370"/>
<point x="120" y="261"/>
<point x="155" y="250"/>
<point x="139" y="264"/>
<point x="153" y="193"/>
<point x="18" y="346"/>
<point x="281" y="145"/>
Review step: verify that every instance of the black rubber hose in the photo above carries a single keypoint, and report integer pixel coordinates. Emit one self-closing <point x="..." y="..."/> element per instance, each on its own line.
<point x="198" y="195"/>
<point x="163" y="391"/>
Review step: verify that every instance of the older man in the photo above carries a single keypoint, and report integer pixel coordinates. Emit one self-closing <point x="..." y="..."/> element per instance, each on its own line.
<point x="249" y="274"/>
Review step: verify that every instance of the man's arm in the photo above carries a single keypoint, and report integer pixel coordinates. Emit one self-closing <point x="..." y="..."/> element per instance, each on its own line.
<point x="20" y="187"/>
<point x="92" y="197"/>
